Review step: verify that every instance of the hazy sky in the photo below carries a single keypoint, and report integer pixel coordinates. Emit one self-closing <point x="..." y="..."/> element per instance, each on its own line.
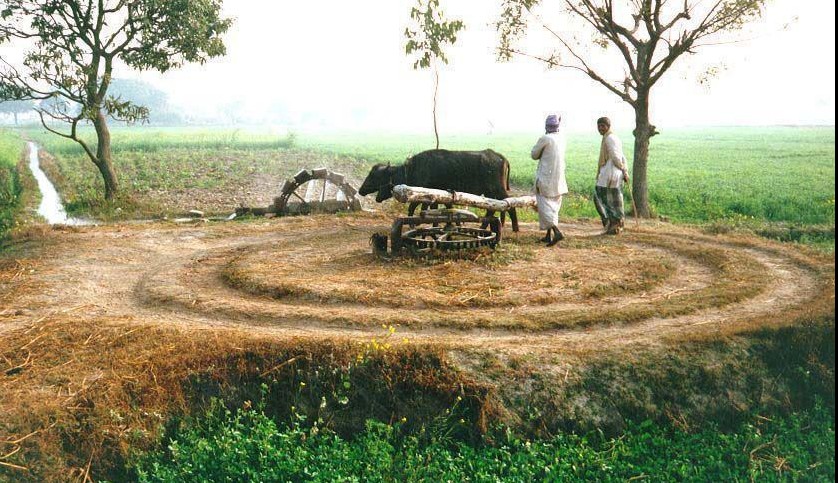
<point x="334" y="64"/>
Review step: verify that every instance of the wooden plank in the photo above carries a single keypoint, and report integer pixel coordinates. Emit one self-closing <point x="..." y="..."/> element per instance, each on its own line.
<point x="311" y="187"/>
<point x="337" y="178"/>
<point x="302" y="176"/>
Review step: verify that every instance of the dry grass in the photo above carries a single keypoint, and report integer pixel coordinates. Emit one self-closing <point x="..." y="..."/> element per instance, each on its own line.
<point x="597" y="281"/>
<point x="342" y="269"/>
<point x="96" y="389"/>
<point x="736" y="277"/>
<point x="818" y="307"/>
<point x="15" y="279"/>
<point x="84" y="383"/>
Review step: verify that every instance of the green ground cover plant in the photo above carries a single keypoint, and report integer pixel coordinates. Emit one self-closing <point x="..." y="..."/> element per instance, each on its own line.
<point x="11" y="147"/>
<point x="247" y="445"/>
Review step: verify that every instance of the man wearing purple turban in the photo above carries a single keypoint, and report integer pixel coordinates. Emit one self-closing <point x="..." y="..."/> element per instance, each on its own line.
<point x="550" y="182"/>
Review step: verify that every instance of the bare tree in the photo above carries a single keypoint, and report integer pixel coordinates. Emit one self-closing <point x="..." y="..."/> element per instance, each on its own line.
<point x="70" y="49"/>
<point x="427" y="40"/>
<point x="648" y="37"/>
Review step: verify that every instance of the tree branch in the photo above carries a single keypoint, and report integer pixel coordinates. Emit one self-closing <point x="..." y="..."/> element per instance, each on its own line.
<point x="683" y="14"/>
<point x="79" y="21"/>
<point x="41" y="113"/>
<point x="592" y="17"/>
<point x="590" y="72"/>
<point x="618" y="29"/>
<point x="550" y="61"/>
<point x="73" y="133"/>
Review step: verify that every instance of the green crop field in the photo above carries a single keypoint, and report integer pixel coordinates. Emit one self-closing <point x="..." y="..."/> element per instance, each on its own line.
<point x="771" y="174"/>
<point x="696" y="175"/>
<point x="126" y="140"/>
<point x="164" y="172"/>
<point x="11" y="147"/>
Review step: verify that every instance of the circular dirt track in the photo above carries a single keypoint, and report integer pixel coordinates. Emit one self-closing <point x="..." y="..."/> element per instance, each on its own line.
<point x="316" y="277"/>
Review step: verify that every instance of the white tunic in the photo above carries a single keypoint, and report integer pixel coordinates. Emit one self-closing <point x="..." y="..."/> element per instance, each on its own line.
<point x="550" y="179"/>
<point x="548" y="211"/>
<point x="612" y="162"/>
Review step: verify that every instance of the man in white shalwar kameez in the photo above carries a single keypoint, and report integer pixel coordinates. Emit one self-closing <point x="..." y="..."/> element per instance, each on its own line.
<point x="611" y="174"/>
<point x="550" y="181"/>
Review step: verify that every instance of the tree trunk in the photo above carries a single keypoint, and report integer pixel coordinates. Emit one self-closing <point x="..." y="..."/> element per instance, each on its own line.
<point x="643" y="132"/>
<point x="104" y="159"/>
<point x="436" y="91"/>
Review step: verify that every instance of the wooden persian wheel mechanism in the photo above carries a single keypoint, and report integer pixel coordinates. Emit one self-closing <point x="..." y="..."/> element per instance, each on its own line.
<point x="448" y="231"/>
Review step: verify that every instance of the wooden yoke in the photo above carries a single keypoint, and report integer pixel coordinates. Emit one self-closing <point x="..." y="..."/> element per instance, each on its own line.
<point x="413" y="194"/>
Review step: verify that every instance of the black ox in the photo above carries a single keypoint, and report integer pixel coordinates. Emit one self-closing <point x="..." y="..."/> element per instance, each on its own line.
<point x="483" y="173"/>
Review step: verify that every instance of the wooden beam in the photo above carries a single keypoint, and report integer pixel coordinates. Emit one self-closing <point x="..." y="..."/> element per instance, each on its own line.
<point x="410" y="194"/>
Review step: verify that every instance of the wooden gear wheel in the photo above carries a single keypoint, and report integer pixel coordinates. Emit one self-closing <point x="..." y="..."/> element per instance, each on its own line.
<point x="290" y="201"/>
<point x="451" y="235"/>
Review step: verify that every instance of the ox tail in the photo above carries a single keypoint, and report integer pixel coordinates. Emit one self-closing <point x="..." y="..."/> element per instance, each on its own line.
<point x="506" y="171"/>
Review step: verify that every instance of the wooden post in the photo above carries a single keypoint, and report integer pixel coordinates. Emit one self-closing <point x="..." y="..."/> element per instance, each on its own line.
<point x="323" y="193"/>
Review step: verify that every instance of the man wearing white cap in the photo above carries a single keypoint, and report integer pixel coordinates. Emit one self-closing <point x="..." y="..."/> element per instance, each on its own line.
<point x="550" y="182"/>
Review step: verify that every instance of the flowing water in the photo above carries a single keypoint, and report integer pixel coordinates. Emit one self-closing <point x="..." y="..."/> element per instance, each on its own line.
<point x="50" y="208"/>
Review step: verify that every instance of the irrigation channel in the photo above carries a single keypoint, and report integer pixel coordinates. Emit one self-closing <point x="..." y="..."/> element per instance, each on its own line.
<point x="50" y="208"/>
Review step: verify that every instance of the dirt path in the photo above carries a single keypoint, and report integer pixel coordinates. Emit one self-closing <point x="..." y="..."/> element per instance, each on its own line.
<point x="172" y="275"/>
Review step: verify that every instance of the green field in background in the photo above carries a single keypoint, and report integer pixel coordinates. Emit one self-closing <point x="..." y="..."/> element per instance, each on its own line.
<point x="696" y="175"/>
<point x="771" y="174"/>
